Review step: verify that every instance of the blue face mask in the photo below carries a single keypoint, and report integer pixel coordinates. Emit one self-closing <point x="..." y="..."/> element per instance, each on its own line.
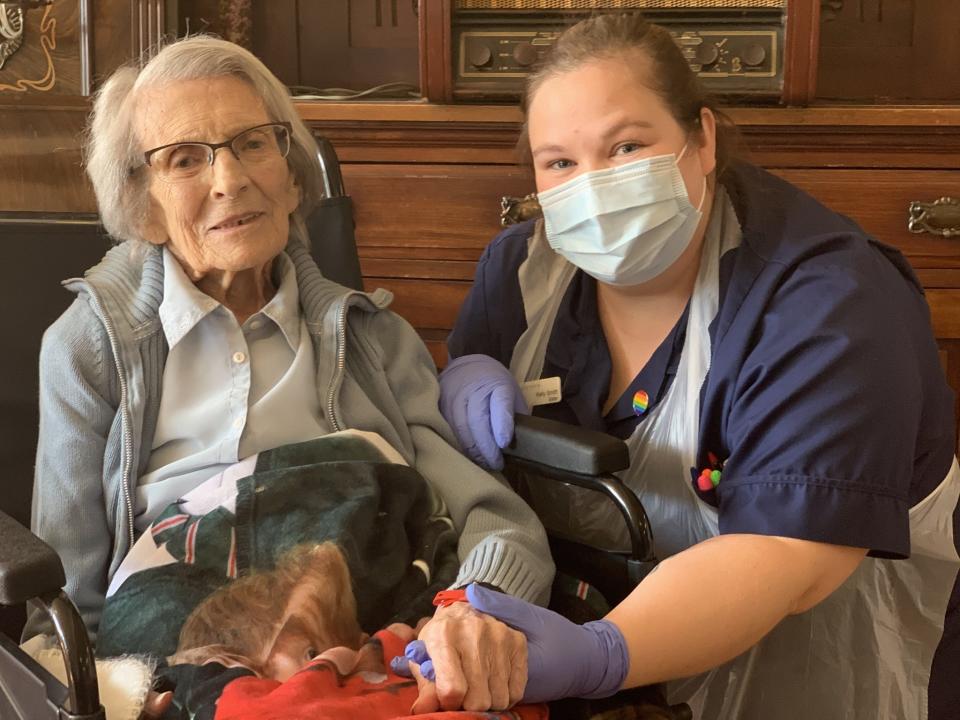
<point x="623" y="225"/>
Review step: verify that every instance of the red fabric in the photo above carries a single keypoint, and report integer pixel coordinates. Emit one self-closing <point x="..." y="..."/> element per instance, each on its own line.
<point x="449" y="597"/>
<point x="371" y="691"/>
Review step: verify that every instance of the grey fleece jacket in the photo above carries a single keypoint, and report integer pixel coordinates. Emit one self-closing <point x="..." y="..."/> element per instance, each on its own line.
<point x="101" y="372"/>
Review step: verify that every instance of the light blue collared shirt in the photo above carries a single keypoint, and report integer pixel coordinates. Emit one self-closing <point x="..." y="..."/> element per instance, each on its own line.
<point x="229" y="391"/>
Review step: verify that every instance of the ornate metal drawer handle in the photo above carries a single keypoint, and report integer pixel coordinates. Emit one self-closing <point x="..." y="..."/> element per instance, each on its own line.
<point x="940" y="217"/>
<point x="516" y="210"/>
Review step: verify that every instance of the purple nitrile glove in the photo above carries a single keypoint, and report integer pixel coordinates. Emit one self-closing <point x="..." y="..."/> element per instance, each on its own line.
<point x="415" y="651"/>
<point x="478" y="397"/>
<point x="563" y="659"/>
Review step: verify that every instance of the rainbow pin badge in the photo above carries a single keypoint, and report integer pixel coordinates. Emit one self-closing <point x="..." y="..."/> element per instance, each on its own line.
<point x="641" y="401"/>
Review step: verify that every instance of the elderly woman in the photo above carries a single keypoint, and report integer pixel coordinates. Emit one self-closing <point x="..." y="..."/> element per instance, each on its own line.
<point x="208" y="335"/>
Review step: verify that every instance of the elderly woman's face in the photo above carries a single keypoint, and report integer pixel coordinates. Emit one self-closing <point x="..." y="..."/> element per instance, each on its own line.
<point x="230" y="217"/>
<point x="601" y="115"/>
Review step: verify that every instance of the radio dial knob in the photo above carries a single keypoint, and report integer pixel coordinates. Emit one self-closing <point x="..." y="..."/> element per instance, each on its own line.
<point x="707" y="53"/>
<point x="754" y="54"/>
<point x="525" y="54"/>
<point x="480" y="55"/>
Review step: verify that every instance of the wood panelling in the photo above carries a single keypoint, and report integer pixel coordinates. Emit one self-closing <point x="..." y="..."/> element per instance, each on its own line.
<point x="112" y="44"/>
<point x="40" y="156"/>
<point x="890" y="49"/>
<point x="831" y="136"/>
<point x="276" y="24"/>
<point x="53" y="57"/>
<point x="436" y="69"/>
<point x="879" y="201"/>
<point x="357" y="45"/>
<point x="445" y="207"/>
<point x="801" y="53"/>
<point x="40" y="130"/>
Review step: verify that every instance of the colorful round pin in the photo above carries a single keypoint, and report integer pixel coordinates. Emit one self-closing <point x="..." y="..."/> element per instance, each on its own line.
<point x="641" y="401"/>
<point x="708" y="479"/>
<point x="704" y="482"/>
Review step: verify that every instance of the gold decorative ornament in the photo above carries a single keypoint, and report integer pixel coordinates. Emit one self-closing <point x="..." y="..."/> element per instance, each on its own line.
<point x="48" y="42"/>
<point x="11" y="30"/>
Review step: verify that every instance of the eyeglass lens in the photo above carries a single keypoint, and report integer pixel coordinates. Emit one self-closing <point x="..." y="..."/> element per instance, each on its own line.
<point x="251" y="147"/>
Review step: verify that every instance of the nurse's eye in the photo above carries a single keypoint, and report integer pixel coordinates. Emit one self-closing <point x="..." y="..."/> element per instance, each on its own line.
<point x="627" y="148"/>
<point x="561" y="164"/>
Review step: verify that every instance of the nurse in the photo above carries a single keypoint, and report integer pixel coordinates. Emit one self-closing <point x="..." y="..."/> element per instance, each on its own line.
<point x="774" y="374"/>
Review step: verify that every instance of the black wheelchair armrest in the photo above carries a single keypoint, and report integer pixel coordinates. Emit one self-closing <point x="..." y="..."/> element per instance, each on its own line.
<point x="31" y="570"/>
<point x="587" y="459"/>
<point x="29" y="567"/>
<point x="574" y="449"/>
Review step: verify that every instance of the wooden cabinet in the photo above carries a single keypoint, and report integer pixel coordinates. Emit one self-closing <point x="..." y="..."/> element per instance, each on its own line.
<point x="427" y="181"/>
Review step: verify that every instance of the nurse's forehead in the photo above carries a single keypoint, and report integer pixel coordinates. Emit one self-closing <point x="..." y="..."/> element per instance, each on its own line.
<point x="600" y="92"/>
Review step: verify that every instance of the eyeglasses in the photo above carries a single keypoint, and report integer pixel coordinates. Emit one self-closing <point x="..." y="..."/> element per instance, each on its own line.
<point x="254" y="146"/>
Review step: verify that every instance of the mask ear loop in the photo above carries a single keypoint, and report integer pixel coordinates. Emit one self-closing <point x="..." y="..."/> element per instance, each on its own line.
<point x="703" y="195"/>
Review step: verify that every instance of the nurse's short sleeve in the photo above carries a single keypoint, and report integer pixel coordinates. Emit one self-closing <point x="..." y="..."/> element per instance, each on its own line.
<point x="823" y="420"/>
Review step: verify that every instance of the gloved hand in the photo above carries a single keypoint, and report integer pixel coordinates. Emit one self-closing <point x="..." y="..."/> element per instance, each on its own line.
<point x="478" y="397"/>
<point x="563" y="659"/>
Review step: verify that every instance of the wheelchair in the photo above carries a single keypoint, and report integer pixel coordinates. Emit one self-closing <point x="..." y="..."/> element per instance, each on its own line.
<point x="31" y="571"/>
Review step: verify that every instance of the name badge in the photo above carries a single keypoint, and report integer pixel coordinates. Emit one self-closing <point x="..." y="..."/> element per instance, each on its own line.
<point x="541" y="392"/>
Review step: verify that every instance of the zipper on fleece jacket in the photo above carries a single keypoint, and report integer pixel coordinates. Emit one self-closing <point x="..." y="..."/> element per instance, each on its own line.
<point x="125" y="423"/>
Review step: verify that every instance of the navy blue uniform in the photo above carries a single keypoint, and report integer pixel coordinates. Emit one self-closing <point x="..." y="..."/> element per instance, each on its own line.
<point x="825" y="399"/>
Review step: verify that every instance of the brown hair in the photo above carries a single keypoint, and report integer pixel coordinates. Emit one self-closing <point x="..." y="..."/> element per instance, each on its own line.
<point x="616" y="35"/>
<point x="246" y="619"/>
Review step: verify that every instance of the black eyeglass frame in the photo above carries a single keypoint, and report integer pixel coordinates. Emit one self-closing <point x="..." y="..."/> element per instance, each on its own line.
<point x="225" y="144"/>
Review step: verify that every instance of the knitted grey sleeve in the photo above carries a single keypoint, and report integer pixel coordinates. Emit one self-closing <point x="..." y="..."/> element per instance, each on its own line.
<point x="69" y="511"/>
<point x="501" y="540"/>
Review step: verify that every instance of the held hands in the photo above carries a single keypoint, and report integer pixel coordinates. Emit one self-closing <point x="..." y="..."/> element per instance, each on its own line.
<point x="476" y="662"/>
<point x="478" y="397"/>
<point x="563" y="659"/>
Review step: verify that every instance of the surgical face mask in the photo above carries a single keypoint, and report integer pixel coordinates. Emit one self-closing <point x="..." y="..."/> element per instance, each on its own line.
<point x="623" y="225"/>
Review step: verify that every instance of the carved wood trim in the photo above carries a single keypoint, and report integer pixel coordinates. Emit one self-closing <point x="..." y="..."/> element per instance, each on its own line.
<point x="893" y="116"/>
<point x="147" y="27"/>
<point x="48" y="41"/>
<point x="802" y="50"/>
<point x="86" y="48"/>
<point x="436" y="72"/>
<point x="56" y="26"/>
<point x="850" y="137"/>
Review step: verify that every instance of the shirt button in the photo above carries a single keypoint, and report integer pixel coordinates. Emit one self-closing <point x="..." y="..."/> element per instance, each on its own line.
<point x="238" y="423"/>
<point x="239" y="357"/>
<point x="255" y="324"/>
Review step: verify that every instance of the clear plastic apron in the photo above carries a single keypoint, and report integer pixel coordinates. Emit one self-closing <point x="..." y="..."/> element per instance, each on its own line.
<point x="864" y="652"/>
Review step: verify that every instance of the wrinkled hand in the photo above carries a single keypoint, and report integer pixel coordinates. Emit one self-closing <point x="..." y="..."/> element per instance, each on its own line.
<point x="155" y="705"/>
<point x="478" y="397"/>
<point x="564" y="659"/>
<point x="478" y="662"/>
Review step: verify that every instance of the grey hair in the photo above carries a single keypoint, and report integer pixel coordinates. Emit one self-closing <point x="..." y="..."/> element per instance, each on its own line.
<point x="113" y="156"/>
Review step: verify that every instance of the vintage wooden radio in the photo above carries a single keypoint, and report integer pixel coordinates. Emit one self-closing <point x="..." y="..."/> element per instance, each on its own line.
<point x="754" y="50"/>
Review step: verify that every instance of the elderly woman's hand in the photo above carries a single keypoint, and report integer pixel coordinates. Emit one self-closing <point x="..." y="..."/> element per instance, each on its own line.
<point x="156" y="704"/>
<point x="479" y="663"/>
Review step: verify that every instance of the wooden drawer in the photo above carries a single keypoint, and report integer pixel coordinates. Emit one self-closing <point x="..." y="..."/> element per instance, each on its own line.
<point x="436" y="212"/>
<point x="450" y="212"/>
<point x="879" y="200"/>
<point x="420" y="230"/>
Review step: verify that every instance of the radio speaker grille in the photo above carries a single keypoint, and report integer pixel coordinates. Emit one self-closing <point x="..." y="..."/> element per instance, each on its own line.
<point x="615" y="4"/>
